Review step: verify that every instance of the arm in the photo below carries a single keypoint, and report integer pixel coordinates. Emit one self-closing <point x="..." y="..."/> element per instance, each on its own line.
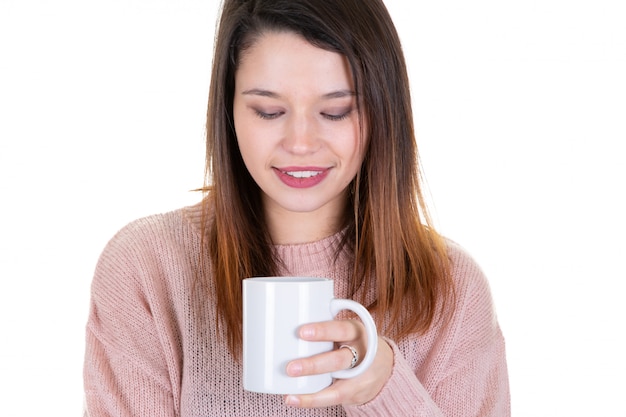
<point x="125" y="369"/>
<point x="463" y="373"/>
<point x="456" y="370"/>
<point x="480" y="389"/>
<point x="402" y="395"/>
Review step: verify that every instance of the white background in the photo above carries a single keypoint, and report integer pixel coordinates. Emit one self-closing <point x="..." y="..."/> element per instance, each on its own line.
<point x="521" y="118"/>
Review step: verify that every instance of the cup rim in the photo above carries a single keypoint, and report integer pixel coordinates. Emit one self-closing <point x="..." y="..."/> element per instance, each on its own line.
<point x="288" y="279"/>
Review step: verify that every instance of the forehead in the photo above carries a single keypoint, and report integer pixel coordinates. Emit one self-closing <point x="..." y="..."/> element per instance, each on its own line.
<point x="286" y="58"/>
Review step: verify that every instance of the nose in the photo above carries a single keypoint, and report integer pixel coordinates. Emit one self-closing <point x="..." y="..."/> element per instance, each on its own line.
<point x="301" y="135"/>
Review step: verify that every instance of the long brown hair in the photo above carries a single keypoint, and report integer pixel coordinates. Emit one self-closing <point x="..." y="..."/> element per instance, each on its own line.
<point x="396" y="251"/>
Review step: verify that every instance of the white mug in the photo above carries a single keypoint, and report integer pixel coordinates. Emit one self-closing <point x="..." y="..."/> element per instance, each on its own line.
<point x="273" y="310"/>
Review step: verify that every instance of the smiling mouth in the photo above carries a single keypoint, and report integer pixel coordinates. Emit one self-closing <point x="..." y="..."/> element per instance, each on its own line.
<point x="302" y="177"/>
<point x="302" y="174"/>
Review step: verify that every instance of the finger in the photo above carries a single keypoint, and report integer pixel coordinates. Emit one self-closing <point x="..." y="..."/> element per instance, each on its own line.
<point x="323" y="363"/>
<point x="325" y="398"/>
<point x="334" y="331"/>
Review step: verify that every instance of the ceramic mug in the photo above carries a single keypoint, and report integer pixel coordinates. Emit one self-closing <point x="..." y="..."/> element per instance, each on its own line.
<point x="273" y="310"/>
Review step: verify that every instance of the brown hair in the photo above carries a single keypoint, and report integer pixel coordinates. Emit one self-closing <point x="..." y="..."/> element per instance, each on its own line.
<point x="396" y="251"/>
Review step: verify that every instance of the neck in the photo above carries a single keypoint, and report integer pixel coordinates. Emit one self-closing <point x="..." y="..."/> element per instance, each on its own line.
<point x="293" y="227"/>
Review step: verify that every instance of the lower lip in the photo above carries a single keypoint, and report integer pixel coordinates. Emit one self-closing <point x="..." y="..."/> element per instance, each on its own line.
<point x="301" y="182"/>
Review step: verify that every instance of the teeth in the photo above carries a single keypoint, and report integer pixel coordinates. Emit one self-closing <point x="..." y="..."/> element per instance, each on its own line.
<point x="303" y="174"/>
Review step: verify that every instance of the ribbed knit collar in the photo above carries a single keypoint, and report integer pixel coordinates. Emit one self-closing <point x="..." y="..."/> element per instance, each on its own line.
<point x="311" y="258"/>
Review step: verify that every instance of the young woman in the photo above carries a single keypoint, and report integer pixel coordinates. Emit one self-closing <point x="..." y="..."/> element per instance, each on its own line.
<point x="311" y="170"/>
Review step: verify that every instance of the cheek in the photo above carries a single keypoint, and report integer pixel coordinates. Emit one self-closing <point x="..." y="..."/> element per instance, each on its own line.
<point x="246" y="149"/>
<point x="352" y="148"/>
<point x="358" y="156"/>
<point x="252" y="149"/>
<point x="244" y="133"/>
<point x="238" y="121"/>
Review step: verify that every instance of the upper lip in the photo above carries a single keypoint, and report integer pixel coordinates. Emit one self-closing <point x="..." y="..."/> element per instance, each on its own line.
<point x="301" y="168"/>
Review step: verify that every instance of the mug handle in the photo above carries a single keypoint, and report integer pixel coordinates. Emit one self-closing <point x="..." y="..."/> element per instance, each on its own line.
<point x="338" y="304"/>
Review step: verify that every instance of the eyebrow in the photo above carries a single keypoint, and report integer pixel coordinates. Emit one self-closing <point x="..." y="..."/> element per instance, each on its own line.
<point x="271" y="94"/>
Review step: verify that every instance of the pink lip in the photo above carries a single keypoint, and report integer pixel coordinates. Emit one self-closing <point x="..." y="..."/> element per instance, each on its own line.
<point x="304" y="182"/>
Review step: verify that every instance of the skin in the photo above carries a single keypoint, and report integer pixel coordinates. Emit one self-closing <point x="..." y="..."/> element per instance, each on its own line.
<point x="295" y="110"/>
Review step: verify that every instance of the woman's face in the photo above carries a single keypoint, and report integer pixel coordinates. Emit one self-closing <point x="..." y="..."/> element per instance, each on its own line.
<point x="297" y="124"/>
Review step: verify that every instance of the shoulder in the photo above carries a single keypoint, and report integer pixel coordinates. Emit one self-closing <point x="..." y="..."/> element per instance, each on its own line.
<point x="134" y="285"/>
<point x="474" y="316"/>
<point x="152" y="231"/>
<point x="140" y="268"/>
<point x="460" y="257"/>
<point x="144" y="245"/>
<point x="150" y="226"/>
<point x="466" y="272"/>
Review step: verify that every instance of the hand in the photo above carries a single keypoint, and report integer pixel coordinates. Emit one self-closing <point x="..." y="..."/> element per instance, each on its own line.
<point x="358" y="390"/>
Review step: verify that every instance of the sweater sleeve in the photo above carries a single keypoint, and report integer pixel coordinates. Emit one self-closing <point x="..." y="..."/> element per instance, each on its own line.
<point x="125" y="368"/>
<point x="402" y="395"/>
<point x="465" y="375"/>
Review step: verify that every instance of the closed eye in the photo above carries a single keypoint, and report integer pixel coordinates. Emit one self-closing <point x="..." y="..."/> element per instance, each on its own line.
<point x="336" y="117"/>
<point x="268" y="116"/>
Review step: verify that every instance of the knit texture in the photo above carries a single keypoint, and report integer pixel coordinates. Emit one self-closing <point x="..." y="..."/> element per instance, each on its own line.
<point x="153" y="349"/>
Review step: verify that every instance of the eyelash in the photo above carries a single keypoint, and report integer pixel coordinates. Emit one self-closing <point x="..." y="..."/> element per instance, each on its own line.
<point x="336" y="117"/>
<point x="267" y="116"/>
<point x="331" y="117"/>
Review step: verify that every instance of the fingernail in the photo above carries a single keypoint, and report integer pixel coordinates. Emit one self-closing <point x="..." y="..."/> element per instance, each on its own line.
<point x="292" y="400"/>
<point x="307" y="332"/>
<point x="294" y="369"/>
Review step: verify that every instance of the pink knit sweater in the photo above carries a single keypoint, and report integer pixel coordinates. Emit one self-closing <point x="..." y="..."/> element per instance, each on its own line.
<point x="153" y="349"/>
